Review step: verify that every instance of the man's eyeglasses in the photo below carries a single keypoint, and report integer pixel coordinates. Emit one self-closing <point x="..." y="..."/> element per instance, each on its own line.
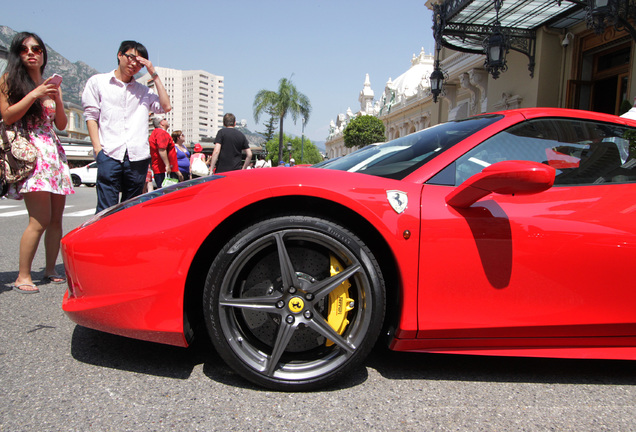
<point x="35" y="49"/>
<point x="131" y="58"/>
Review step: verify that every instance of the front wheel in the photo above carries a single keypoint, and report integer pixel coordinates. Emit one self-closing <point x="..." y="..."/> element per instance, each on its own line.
<point x="293" y="303"/>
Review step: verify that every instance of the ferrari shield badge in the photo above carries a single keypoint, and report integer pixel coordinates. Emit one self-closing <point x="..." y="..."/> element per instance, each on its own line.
<point x="398" y="200"/>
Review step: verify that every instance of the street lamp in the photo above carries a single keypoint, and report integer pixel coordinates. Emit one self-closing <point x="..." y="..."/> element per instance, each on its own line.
<point x="438" y="77"/>
<point x="496" y="46"/>
<point x="601" y="14"/>
<point x="302" y="142"/>
<point x="437" y="82"/>
<point x="289" y="148"/>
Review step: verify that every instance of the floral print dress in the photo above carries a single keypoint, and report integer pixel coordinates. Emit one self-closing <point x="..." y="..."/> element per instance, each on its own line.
<point x="51" y="173"/>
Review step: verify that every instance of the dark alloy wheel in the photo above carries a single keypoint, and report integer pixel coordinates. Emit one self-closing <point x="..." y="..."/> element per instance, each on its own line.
<point x="77" y="181"/>
<point x="293" y="303"/>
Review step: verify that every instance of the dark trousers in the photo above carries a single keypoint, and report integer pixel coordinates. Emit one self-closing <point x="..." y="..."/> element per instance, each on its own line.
<point x="114" y="177"/>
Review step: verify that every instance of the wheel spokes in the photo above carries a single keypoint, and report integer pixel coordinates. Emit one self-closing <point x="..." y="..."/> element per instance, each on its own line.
<point x="325" y="286"/>
<point x="261" y="303"/>
<point x="321" y="326"/>
<point x="288" y="275"/>
<point x="285" y="333"/>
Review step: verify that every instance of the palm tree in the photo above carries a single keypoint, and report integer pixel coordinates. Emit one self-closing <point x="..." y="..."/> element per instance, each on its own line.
<point x="288" y="100"/>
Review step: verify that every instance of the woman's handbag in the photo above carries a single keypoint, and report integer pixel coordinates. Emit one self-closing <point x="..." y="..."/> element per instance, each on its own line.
<point x="17" y="155"/>
<point x="199" y="168"/>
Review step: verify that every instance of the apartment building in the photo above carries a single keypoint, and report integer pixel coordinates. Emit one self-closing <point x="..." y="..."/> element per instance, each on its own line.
<point x="197" y="101"/>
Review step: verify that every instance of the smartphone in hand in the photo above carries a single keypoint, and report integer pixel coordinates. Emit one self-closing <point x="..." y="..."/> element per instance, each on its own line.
<point x="56" y="79"/>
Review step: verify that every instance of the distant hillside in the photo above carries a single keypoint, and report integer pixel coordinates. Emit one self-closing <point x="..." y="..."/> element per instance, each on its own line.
<point x="320" y="145"/>
<point x="254" y="138"/>
<point x="75" y="74"/>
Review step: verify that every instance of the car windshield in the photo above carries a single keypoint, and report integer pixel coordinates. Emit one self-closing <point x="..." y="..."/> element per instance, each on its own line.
<point x="400" y="157"/>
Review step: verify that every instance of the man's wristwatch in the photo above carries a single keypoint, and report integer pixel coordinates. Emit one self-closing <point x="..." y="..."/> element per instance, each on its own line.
<point x="154" y="75"/>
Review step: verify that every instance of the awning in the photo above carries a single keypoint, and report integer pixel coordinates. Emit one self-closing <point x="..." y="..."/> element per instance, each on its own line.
<point x="464" y="25"/>
<point x="77" y="149"/>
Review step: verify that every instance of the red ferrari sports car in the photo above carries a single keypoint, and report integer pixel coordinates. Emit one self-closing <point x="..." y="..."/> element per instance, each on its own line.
<point x="512" y="233"/>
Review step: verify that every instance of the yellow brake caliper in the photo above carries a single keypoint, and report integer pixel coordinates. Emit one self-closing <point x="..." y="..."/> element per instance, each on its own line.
<point x="339" y="302"/>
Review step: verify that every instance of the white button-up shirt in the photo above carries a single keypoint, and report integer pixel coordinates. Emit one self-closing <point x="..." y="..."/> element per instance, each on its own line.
<point x="121" y="111"/>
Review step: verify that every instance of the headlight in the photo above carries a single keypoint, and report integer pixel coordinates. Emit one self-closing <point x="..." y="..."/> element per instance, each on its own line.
<point x="148" y="196"/>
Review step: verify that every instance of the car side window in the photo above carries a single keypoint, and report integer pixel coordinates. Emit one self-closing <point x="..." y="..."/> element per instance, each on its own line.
<point x="581" y="151"/>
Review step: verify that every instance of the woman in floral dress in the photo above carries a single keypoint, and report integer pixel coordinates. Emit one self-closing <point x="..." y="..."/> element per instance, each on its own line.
<point x="34" y="104"/>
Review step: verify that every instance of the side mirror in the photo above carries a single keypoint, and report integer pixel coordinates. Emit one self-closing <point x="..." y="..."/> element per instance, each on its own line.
<point x="507" y="178"/>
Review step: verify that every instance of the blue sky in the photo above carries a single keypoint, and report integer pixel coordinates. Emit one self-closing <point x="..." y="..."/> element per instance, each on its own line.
<point x="326" y="47"/>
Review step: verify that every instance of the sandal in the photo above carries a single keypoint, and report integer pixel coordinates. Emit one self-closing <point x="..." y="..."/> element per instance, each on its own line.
<point x="26" y="291"/>
<point x="55" y="279"/>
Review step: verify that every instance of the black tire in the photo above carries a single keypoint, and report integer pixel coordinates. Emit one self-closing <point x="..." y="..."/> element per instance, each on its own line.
<point x="77" y="181"/>
<point x="267" y="298"/>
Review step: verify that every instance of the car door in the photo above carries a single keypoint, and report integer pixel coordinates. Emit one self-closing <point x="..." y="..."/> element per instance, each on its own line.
<point x="553" y="264"/>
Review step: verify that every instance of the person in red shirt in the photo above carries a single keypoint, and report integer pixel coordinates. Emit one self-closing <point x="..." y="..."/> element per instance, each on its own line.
<point x="163" y="156"/>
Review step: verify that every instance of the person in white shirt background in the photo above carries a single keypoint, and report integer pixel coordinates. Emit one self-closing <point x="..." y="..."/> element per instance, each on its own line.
<point x="116" y="108"/>
<point x="631" y="114"/>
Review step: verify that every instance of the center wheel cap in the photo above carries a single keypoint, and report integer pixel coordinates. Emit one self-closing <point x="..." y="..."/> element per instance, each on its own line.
<point x="296" y="305"/>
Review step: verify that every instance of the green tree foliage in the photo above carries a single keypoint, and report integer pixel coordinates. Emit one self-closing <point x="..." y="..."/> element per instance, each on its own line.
<point x="270" y="125"/>
<point x="288" y="100"/>
<point x="363" y="130"/>
<point x="311" y="154"/>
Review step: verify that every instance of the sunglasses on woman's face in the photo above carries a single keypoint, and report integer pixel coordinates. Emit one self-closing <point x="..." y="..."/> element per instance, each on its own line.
<point x="35" y="49"/>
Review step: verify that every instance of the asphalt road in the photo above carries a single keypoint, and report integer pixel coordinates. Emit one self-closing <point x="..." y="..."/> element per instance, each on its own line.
<point x="57" y="376"/>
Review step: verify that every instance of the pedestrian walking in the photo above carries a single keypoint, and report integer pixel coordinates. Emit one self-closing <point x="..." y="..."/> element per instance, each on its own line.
<point x="162" y="153"/>
<point x="183" y="154"/>
<point x="198" y="163"/>
<point x="228" y="147"/>
<point x="260" y="163"/>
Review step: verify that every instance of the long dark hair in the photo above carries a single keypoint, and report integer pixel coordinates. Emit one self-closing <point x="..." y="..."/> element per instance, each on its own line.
<point x="18" y="82"/>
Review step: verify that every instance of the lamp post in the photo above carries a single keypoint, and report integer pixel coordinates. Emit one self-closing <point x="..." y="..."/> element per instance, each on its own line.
<point x="438" y="76"/>
<point x="302" y="142"/>
<point x="601" y="14"/>
<point x="496" y="49"/>
<point x="289" y="149"/>
<point x="600" y="10"/>
<point x="437" y="81"/>
<point x="496" y="46"/>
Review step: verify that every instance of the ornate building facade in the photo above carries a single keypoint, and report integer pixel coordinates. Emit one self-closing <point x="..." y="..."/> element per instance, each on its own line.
<point x="572" y="57"/>
<point x="400" y="105"/>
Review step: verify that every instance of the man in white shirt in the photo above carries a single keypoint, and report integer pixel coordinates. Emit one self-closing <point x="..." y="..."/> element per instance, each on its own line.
<point x="116" y="108"/>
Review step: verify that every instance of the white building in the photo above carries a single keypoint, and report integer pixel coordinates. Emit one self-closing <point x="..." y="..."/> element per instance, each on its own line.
<point x="197" y="101"/>
<point x="399" y="106"/>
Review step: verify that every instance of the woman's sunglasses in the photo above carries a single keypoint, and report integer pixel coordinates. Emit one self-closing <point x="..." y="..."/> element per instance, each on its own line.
<point x="35" y="49"/>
